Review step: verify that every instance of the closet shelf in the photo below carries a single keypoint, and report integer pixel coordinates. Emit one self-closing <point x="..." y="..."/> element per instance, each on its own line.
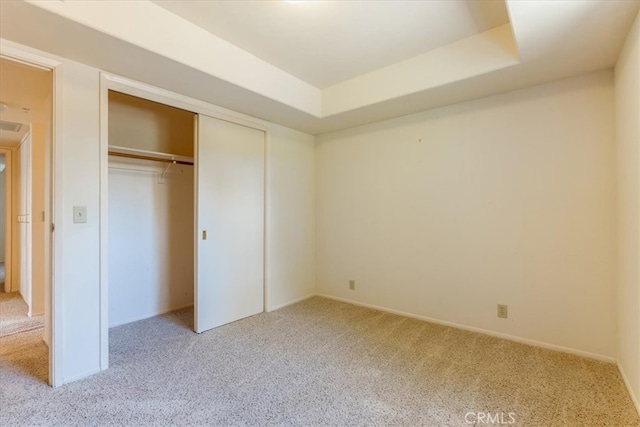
<point x="134" y="153"/>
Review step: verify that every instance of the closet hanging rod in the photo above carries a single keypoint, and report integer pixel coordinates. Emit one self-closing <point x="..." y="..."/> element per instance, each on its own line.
<point x="155" y="159"/>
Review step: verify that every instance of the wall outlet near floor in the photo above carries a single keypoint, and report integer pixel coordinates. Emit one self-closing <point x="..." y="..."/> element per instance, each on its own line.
<point x="352" y="285"/>
<point x="502" y="311"/>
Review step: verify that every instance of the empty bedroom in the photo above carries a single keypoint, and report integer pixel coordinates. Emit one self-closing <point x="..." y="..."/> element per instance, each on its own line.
<point x="327" y="213"/>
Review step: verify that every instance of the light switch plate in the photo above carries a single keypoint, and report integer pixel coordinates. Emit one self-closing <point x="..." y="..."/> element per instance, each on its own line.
<point x="79" y="214"/>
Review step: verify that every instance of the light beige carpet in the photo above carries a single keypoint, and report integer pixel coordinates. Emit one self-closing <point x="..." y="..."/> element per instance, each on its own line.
<point x="13" y="315"/>
<point x="320" y="363"/>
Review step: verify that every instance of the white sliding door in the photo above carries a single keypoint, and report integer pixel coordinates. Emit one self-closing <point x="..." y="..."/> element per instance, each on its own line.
<point x="229" y="222"/>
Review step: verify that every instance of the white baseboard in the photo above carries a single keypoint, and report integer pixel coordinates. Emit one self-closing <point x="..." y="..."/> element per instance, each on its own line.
<point x="295" y="301"/>
<point x="150" y="315"/>
<point x="634" y="398"/>
<point x="520" y="340"/>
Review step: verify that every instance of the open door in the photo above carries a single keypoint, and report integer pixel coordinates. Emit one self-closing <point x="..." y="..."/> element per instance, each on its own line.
<point x="229" y="251"/>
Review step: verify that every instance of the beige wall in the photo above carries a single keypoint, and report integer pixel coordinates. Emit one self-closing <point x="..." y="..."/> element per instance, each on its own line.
<point x="627" y="104"/>
<point x="507" y="199"/>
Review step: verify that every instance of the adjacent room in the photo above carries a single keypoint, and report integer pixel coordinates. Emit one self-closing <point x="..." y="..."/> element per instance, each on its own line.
<point x="25" y="120"/>
<point x="416" y="213"/>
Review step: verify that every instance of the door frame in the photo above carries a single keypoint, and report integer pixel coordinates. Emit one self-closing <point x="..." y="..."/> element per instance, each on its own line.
<point x="8" y="223"/>
<point x="109" y="81"/>
<point x="53" y="284"/>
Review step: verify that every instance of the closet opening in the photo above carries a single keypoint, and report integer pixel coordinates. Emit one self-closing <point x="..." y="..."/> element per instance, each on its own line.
<point x="183" y="198"/>
<point x="150" y="209"/>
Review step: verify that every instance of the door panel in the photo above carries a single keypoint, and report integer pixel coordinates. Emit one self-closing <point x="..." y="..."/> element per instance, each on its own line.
<point x="230" y="211"/>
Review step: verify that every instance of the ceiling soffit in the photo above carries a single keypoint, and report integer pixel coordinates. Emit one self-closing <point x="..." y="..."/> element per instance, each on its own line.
<point x="544" y="41"/>
<point x="328" y="42"/>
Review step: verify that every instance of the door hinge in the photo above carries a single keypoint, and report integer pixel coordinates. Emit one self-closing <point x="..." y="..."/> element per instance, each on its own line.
<point x="53" y="227"/>
<point x="204" y="234"/>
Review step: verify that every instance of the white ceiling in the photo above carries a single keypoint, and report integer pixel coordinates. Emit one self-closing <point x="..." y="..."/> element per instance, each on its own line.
<point x="543" y="41"/>
<point x="324" y="43"/>
<point x="21" y="87"/>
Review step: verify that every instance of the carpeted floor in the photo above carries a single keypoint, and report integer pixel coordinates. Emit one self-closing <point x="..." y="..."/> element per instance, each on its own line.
<point x="319" y="362"/>
<point x="13" y="315"/>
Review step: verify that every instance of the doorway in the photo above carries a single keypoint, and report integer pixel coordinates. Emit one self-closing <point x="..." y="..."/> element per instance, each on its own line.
<point x="26" y="107"/>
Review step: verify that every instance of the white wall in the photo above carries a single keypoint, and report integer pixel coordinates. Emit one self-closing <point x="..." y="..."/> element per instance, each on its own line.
<point x="290" y="238"/>
<point x="627" y="104"/>
<point x="78" y="174"/>
<point x="150" y="240"/>
<point x="507" y="199"/>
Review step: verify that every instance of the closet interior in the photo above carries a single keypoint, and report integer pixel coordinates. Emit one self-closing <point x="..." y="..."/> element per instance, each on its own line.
<point x="151" y="208"/>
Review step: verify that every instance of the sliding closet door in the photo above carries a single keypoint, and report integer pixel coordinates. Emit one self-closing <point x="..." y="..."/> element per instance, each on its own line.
<point x="229" y="221"/>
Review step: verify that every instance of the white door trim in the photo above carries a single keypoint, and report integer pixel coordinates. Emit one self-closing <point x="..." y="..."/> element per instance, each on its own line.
<point x="109" y="81"/>
<point x="53" y="283"/>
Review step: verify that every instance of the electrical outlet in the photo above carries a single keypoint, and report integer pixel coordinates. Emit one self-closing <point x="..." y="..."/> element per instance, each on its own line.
<point x="352" y="285"/>
<point x="502" y="311"/>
